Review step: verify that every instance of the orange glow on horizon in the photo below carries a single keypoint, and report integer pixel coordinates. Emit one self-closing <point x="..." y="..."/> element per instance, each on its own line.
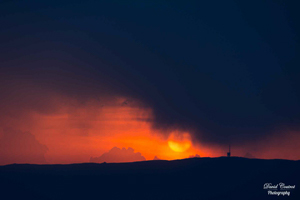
<point x="76" y="133"/>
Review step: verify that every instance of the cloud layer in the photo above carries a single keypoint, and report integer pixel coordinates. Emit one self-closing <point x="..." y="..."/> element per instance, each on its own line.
<point x="224" y="76"/>
<point x="119" y="155"/>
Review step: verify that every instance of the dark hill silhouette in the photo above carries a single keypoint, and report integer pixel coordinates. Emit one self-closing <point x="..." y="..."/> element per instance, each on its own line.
<point x="194" y="178"/>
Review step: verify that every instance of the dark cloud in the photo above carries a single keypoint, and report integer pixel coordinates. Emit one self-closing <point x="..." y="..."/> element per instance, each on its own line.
<point x="21" y="147"/>
<point x="226" y="73"/>
<point x="119" y="155"/>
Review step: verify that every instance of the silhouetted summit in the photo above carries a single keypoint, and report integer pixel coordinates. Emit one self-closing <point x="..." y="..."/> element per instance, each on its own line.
<point x="194" y="178"/>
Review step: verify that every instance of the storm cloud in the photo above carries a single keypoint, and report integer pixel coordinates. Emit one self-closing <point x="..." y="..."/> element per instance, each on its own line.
<point x="225" y="72"/>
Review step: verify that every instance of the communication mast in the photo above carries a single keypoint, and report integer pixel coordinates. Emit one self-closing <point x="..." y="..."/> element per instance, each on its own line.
<point x="228" y="153"/>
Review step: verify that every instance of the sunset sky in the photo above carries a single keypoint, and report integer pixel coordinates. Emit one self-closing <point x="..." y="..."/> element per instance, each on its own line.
<point x="133" y="80"/>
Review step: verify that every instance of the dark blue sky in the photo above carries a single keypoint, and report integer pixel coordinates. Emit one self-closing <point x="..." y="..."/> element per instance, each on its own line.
<point x="229" y="69"/>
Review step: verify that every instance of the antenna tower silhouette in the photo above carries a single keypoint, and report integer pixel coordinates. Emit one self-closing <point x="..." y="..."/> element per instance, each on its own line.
<point x="229" y="153"/>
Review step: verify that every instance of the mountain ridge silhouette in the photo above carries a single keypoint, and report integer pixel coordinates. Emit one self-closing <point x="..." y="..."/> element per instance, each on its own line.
<point x="191" y="178"/>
